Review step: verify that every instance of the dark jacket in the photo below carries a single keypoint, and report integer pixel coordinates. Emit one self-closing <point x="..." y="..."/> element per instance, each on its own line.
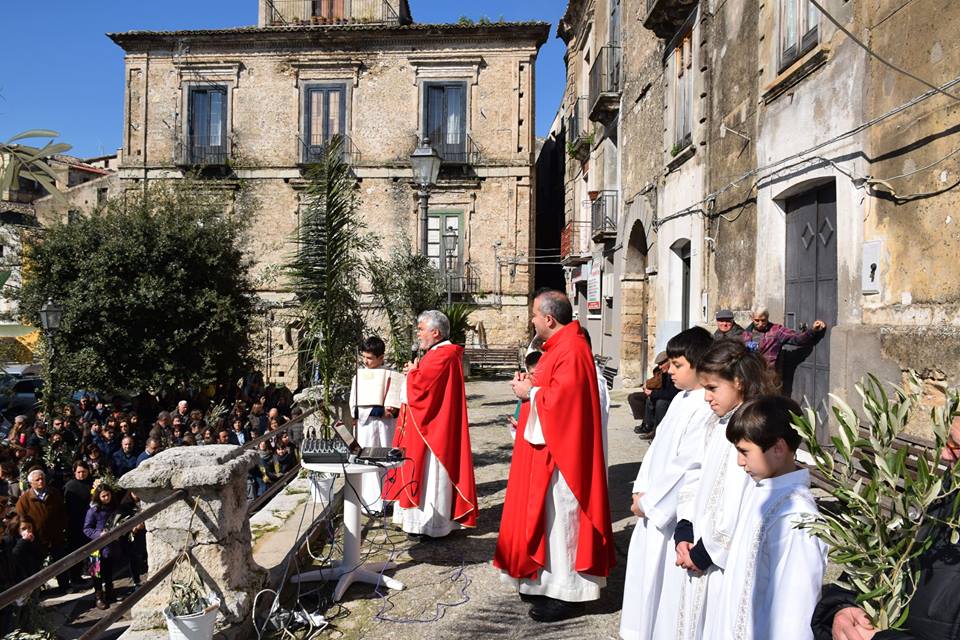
<point x="122" y="463"/>
<point x="76" y="496"/>
<point x="935" y="607"/>
<point x="27" y="558"/>
<point x="735" y="333"/>
<point x="97" y="521"/>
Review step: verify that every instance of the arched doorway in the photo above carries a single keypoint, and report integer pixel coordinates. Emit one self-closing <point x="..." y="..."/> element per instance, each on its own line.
<point x="634" y="328"/>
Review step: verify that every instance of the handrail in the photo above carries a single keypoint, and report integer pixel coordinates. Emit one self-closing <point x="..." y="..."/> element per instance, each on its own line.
<point x="26" y="586"/>
<point x="115" y="613"/>
<point x="275" y="488"/>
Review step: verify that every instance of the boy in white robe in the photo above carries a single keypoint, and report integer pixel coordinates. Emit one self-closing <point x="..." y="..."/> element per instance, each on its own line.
<point x="374" y="403"/>
<point x="774" y="571"/>
<point x="674" y="454"/>
<point x="710" y="499"/>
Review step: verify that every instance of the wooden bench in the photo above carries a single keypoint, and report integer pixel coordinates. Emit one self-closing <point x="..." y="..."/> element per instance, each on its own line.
<point x="494" y="358"/>
<point x="913" y="447"/>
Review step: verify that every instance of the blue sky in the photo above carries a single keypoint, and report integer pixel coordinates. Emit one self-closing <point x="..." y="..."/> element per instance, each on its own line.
<point x="61" y="72"/>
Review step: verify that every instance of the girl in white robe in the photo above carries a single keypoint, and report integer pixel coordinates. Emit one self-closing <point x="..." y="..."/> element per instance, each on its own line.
<point x="730" y="374"/>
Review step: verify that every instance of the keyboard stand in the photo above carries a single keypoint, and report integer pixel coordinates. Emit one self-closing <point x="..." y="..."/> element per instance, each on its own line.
<point x="351" y="569"/>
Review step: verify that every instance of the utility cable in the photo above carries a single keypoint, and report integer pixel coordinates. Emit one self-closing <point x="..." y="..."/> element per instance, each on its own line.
<point x="874" y="54"/>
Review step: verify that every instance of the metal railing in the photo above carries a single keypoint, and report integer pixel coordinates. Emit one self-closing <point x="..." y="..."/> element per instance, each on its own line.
<point x="605" y="74"/>
<point x="462" y="283"/>
<point x="197" y="151"/>
<point x="603" y="213"/>
<point x="462" y="151"/>
<point x="578" y="129"/>
<point x="319" y="12"/>
<point x="311" y="153"/>
<point x="574" y="241"/>
<point x="25" y="587"/>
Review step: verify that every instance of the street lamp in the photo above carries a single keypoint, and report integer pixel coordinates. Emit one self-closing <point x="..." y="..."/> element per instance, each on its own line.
<point x="450" y="237"/>
<point x="50" y="316"/>
<point x="426" y="167"/>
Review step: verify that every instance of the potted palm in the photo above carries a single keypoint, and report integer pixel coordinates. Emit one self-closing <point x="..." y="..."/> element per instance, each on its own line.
<point x="190" y="614"/>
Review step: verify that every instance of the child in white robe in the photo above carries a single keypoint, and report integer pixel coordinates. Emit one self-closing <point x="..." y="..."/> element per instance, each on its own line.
<point x="710" y="500"/>
<point x="774" y="571"/>
<point x="374" y="403"/>
<point x="674" y="454"/>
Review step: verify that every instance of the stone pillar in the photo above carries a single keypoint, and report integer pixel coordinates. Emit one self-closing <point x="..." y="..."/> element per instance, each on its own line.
<point x="223" y="551"/>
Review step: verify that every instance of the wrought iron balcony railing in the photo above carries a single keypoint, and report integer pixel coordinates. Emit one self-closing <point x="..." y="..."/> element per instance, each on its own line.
<point x="199" y="151"/>
<point x="603" y="215"/>
<point x="462" y="283"/>
<point x="311" y="153"/>
<point x="460" y="149"/>
<point x="575" y="242"/>
<point x="301" y="12"/>
<point x="606" y="83"/>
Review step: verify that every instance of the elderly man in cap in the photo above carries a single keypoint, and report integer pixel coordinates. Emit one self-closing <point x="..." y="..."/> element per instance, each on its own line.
<point x="660" y="391"/>
<point x="727" y="326"/>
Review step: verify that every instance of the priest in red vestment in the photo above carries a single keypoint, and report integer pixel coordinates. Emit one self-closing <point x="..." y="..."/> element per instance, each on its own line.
<point x="556" y="539"/>
<point x="434" y="489"/>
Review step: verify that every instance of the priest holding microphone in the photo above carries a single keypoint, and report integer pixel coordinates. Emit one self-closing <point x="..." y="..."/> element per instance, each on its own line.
<point x="434" y="489"/>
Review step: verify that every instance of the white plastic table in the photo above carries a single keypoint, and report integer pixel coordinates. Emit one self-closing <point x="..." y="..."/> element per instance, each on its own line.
<point x="350" y="569"/>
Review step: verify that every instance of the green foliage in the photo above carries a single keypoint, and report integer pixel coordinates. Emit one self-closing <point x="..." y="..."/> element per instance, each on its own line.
<point x="326" y="271"/>
<point x="154" y="289"/>
<point x="675" y="149"/>
<point x="464" y="21"/>
<point x="30" y="162"/>
<point x="404" y="285"/>
<point x="875" y="535"/>
<point x="459" y="316"/>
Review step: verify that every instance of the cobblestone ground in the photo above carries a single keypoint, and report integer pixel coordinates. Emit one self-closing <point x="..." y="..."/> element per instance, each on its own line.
<point x="442" y="573"/>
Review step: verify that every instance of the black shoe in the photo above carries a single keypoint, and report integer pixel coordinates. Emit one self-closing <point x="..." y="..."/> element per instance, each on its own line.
<point x="648" y="435"/>
<point x="532" y="599"/>
<point x="638" y="428"/>
<point x="416" y="537"/>
<point x="551" y="610"/>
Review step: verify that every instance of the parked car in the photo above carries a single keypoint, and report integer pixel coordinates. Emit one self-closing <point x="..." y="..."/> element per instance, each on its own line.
<point x="22" y="397"/>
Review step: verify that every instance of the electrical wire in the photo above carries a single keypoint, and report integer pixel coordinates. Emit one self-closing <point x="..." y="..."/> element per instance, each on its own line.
<point x="877" y="56"/>
<point x="694" y="208"/>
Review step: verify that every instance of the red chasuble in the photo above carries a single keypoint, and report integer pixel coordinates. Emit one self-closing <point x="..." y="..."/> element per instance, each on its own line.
<point x="435" y="419"/>
<point x="568" y="406"/>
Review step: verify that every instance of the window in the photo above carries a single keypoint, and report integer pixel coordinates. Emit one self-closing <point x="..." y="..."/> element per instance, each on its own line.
<point x="681" y="61"/>
<point x="101" y="196"/>
<point x="324" y="117"/>
<point x="328" y="8"/>
<point x="207" y="118"/>
<point x="441" y="229"/>
<point x="798" y="30"/>
<point x="445" y="119"/>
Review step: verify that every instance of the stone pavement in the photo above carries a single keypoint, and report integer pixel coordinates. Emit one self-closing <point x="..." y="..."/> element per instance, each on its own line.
<point x="440" y="573"/>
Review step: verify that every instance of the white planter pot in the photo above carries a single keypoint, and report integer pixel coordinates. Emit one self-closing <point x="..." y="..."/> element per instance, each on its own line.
<point x="198" y="626"/>
<point x="321" y="487"/>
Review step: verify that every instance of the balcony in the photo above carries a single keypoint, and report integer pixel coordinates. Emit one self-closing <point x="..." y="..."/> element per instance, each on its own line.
<point x="575" y="243"/>
<point x="579" y="136"/>
<point x="282" y="13"/>
<point x="456" y="149"/>
<point x="603" y="216"/>
<point x="198" y="151"/>
<point x="666" y="17"/>
<point x="313" y="153"/>
<point x="606" y="83"/>
<point x="462" y="283"/>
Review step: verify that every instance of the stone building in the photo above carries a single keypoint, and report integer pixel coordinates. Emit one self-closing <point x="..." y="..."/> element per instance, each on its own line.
<point x="261" y="102"/>
<point x="784" y="157"/>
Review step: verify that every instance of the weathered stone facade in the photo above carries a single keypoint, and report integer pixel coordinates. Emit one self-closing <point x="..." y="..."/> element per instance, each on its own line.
<point x="383" y="69"/>
<point x="737" y="120"/>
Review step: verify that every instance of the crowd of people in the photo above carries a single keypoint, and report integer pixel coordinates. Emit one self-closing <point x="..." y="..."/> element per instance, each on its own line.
<point x="59" y="477"/>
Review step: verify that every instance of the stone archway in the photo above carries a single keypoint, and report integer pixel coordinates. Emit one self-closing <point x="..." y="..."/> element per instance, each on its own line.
<point x="634" y="309"/>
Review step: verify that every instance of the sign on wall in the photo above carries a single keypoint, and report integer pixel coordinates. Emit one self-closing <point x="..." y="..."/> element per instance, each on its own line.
<point x="593" y="287"/>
